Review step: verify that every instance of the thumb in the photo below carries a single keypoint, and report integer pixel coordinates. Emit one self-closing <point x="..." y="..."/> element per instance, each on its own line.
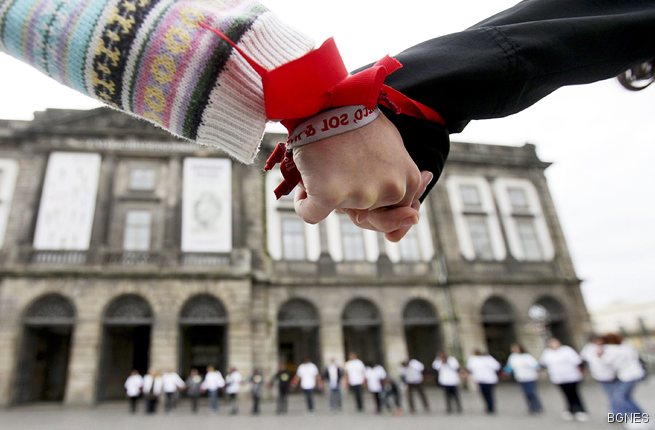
<point x="311" y="209"/>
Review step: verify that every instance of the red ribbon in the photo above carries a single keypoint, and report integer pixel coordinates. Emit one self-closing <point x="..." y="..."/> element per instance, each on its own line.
<point x="318" y="81"/>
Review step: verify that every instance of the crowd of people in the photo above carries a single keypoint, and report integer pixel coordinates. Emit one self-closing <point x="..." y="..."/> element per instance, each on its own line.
<point x="610" y="361"/>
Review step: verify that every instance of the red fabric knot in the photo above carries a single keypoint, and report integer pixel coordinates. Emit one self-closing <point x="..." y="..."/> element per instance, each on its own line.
<point x="318" y="81"/>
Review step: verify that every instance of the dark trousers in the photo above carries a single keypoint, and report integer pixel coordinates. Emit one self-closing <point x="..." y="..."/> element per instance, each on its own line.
<point x="452" y="396"/>
<point x="170" y="402"/>
<point x="356" y="390"/>
<point x="255" y="403"/>
<point x="377" y="398"/>
<point x="418" y="388"/>
<point x="282" y="402"/>
<point x="151" y="404"/>
<point x="573" y="401"/>
<point x="133" y="404"/>
<point x="234" y="404"/>
<point x="309" y="399"/>
<point x="194" y="403"/>
<point x="531" y="397"/>
<point x="487" y="391"/>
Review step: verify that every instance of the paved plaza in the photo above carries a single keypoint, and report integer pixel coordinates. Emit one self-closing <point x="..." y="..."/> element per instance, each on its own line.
<point x="511" y="415"/>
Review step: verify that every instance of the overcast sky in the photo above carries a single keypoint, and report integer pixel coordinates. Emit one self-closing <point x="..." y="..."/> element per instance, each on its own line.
<point x="600" y="136"/>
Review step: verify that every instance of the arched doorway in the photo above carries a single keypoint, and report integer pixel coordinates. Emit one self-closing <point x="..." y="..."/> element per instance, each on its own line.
<point x="498" y="322"/>
<point x="362" y="331"/>
<point x="203" y="334"/>
<point x="43" y="365"/>
<point x="298" y="333"/>
<point x="556" y="324"/>
<point x="125" y="343"/>
<point x="421" y="331"/>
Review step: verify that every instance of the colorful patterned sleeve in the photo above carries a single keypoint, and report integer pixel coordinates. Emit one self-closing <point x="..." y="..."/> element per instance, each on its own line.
<point x="150" y="58"/>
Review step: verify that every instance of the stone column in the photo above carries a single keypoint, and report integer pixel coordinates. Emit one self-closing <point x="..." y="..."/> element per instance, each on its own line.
<point x="331" y="335"/>
<point x="164" y="342"/>
<point x="394" y="342"/>
<point x="81" y="387"/>
<point x="10" y="329"/>
<point x="240" y="354"/>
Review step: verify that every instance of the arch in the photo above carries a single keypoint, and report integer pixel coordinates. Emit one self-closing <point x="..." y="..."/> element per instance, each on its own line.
<point x="45" y="349"/>
<point x="555" y="308"/>
<point x="203" y="334"/>
<point x="298" y="333"/>
<point x="128" y="309"/>
<point x="50" y="309"/>
<point x="497" y="316"/>
<point x="360" y="312"/>
<point x="203" y="309"/>
<point x="362" y="331"/>
<point x="422" y="331"/>
<point x="556" y="318"/>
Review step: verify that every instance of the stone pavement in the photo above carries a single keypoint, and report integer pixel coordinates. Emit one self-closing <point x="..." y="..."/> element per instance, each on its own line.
<point x="511" y="415"/>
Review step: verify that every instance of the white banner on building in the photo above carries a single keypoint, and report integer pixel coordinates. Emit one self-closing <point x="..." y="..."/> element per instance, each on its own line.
<point x="68" y="201"/>
<point x="207" y="205"/>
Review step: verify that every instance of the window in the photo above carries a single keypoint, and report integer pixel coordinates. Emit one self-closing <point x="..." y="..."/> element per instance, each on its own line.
<point x="476" y="221"/>
<point x="293" y="238"/>
<point x="142" y="179"/>
<point x="137" y="231"/>
<point x="409" y="246"/>
<point x="352" y="238"/>
<point x="525" y="225"/>
<point x="529" y="239"/>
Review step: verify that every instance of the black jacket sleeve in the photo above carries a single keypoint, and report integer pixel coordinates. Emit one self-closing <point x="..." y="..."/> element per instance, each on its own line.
<point x="511" y="60"/>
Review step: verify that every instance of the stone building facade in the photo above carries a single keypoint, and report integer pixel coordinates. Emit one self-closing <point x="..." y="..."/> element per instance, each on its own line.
<point x="124" y="248"/>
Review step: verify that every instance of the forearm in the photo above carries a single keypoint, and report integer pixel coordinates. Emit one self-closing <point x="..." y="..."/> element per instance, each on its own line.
<point x="151" y="59"/>
<point x="511" y="60"/>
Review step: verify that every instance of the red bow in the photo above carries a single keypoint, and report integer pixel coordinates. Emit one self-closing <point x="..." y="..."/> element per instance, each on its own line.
<point x="318" y="81"/>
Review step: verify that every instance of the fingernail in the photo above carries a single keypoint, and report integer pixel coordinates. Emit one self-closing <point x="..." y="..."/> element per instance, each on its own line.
<point x="427" y="178"/>
<point x="409" y="221"/>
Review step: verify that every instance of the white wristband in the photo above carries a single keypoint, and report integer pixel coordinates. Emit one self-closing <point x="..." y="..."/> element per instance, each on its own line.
<point x="331" y="123"/>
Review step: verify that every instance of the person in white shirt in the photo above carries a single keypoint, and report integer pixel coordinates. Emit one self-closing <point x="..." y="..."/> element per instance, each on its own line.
<point x="152" y="389"/>
<point x="624" y="359"/>
<point x="355" y="377"/>
<point x="602" y="372"/>
<point x="308" y="375"/>
<point x="375" y="376"/>
<point x="525" y="369"/>
<point x="212" y="383"/>
<point x="133" y="386"/>
<point x="448" y="368"/>
<point x="411" y="372"/>
<point x="332" y="376"/>
<point x="171" y="383"/>
<point x="232" y="387"/>
<point x="563" y="366"/>
<point x="484" y="371"/>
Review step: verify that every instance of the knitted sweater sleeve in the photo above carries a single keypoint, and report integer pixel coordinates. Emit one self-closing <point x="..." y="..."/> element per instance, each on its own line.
<point x="150" y="58"/>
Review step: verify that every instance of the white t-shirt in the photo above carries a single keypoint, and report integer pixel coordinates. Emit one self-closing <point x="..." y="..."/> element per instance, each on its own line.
<point x="562" y="364"/>
<point x="233" y="382"/>
<point x="355" y="370"/>
<point x="133" y="385"/>
<point x="413" y="372"/>
<point x="213" y="381"/>
<point x="374" y="377"/>
<point x="333" y="376"/>
<point x="524" y="367"/>
<point x="448" y="371"/>
<point x="598" y="369"/>
<point x="484" y="369"/>
<point x="624" y="359"/>
<point x="152" y="385"/>
<point x="171" y="382"/>
<point x="307" y="373"/>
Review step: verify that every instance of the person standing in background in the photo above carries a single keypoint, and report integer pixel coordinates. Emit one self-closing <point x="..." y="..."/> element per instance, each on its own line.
<point x="193" y="388"/>
<point x="355" y="377"/>
<point x="412" y="374"/>
<point x="332" y="376"/>
<point x="375" y="377"/>
<point x="172" y="383"/>
<point x="133" y="386"/>
<point x="309" y="377"/>
<point x="525" y="368"/>
<point x="563" y="366"/>
<point x="448" y="378"/>
<point x="212" y="383"/>
<point x="601" y="372"/>
<point x="391" y="396"/>
<point x="232" y="388"/>
<point x="152" y="389"/>
<point x="283" y="379"/>
<point x="484" y="371"/>
<point x="256" y="385"/>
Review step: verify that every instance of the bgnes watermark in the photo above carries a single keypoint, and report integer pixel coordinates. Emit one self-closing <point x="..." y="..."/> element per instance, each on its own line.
<point x="631" y="418"/>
